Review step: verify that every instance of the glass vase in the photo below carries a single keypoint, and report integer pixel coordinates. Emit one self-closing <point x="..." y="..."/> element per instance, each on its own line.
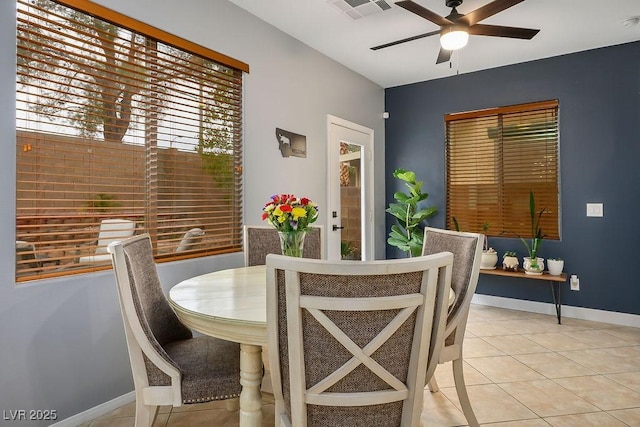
<point x="292" y="242"/>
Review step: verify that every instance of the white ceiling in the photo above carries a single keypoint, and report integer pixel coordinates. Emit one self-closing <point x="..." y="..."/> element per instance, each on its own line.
<point x="566" y="26"/>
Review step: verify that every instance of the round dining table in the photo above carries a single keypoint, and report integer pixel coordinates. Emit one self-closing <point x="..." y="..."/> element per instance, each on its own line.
<point x="231" y="305"/>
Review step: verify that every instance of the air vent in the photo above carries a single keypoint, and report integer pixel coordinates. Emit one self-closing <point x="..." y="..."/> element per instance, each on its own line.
<point x="357" y="9"/>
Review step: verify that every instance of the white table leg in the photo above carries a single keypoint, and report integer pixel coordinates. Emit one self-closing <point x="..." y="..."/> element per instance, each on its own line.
<point x="250" y="378"/>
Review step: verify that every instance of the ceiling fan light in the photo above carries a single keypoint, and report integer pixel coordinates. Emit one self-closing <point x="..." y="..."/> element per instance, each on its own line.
<point x="453" y="38"/>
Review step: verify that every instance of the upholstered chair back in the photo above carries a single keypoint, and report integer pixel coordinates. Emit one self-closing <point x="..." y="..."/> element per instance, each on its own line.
<point x="464" y="247"/>
<point x="339" y="354"/>
<point x="259" y="241"/>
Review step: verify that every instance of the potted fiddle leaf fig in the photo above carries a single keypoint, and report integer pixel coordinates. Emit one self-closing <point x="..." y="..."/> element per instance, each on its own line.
<point x="407" y="233"/>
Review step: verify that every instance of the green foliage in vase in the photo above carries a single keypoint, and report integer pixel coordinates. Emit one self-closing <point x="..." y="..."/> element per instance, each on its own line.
<point x="407" y="234"/>
<point x="485" y="229"/>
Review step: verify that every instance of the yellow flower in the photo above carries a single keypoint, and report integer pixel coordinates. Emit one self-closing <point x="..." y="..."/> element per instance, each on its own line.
<point x="278" y="212"/>
<point x="298" y="212"/>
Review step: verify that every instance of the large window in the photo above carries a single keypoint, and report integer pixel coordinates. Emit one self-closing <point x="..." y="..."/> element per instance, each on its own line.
<point x="117" y="120"/>
<point x="494" y="158"/>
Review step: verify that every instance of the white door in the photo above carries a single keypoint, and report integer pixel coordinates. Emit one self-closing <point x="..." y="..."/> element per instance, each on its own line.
<point x="350" y="191"/>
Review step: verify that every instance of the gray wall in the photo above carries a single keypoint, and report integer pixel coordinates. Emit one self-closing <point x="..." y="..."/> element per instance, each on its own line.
<point x="599" y="95"/>
<point x="62" y="344"/>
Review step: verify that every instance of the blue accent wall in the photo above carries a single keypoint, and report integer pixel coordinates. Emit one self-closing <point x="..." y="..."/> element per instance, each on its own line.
<point x="599" y="96"/>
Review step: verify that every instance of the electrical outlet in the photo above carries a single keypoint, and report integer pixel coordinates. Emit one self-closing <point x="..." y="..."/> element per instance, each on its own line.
<point x="595" y="209"/>
<point x="575" y="283"/>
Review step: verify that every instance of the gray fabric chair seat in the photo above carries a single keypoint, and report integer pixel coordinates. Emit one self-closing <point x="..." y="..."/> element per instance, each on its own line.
<point x="210" y="368"/>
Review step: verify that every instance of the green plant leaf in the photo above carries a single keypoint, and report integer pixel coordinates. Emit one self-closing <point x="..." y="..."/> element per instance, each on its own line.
<point x="532" y="212"/>
<point x="422" y="196"/>
<point x="397" y="211"/>
<point x="424" y="214"/>
<point x="407" y="176"/>
<point x="397" y="232"/>
<point x="401" y="197"/>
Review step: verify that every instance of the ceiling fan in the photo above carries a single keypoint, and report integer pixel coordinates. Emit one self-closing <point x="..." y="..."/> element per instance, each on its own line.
<point x="455" y="28"/>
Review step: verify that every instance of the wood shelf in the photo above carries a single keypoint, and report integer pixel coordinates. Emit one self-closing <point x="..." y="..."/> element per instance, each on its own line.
<point x="521" y="274"/>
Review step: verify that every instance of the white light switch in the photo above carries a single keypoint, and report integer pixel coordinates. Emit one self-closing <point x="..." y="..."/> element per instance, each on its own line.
<point x="595" y="209"/>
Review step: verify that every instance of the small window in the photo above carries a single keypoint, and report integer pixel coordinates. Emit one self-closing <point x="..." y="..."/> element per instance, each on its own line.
<point x="494" y="158"/>
<point x="120" y="124"/>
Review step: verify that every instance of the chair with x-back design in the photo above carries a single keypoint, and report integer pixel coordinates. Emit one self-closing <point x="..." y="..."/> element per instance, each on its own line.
<point x="352" y="343"/>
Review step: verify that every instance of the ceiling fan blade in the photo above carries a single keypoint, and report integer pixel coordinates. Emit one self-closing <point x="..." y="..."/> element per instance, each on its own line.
<point x="424" y="12"/>
<point x="488" y="10"/>
<point x="443" y="56"/>
<point x="501" y="31"/>
<point x="408" y="39"/>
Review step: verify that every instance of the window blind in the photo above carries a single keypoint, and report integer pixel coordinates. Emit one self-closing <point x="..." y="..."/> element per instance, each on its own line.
<point x="115" y="123"/>
<point x="494" y="158"/>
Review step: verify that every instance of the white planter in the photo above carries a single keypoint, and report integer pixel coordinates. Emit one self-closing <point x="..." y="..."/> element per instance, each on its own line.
<point x="489" y="260"/>
<point x="555" y="266"/>
<point x="510" y="263"/>
<point x="526" y="264"/>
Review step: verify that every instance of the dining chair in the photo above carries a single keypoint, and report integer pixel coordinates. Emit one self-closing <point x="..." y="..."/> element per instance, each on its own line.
<point x="259" y="241"/>
<point x="467" y="253"/>
<point x="170" y="366"/>
<point x="352" y="343"/>
<point x="110" y="230"/>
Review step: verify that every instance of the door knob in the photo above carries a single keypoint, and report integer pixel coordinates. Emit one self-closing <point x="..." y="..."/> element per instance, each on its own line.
<point x="336" y="228"/>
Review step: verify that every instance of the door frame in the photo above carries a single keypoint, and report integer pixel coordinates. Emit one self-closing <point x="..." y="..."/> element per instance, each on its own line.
<point x="333" y="182"/>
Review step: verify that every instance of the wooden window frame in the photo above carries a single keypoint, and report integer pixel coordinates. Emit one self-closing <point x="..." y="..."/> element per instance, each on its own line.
<point x="493" y="159"/>
<point x="39" y="235"/>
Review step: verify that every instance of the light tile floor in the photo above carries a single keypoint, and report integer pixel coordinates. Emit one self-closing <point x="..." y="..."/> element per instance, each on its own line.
<point x="521" y="369"/>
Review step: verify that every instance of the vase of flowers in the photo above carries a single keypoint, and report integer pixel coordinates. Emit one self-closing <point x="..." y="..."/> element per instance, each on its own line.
<point x="291" y="217"/>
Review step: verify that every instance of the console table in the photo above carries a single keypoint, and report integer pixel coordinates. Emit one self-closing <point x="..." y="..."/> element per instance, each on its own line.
<point x="554" y="281"/>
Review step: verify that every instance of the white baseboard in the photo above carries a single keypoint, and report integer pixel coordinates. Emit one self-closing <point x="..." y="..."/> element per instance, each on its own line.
<point x="96" y="411"/>
<point x="615" y="318"/>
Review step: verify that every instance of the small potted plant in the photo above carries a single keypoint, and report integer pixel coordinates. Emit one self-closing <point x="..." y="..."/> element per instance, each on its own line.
<point x="489" y="255"/>
<point x="533" y="264"/>
<point x="510" y="261"/>
<point x="555" y="266"/>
